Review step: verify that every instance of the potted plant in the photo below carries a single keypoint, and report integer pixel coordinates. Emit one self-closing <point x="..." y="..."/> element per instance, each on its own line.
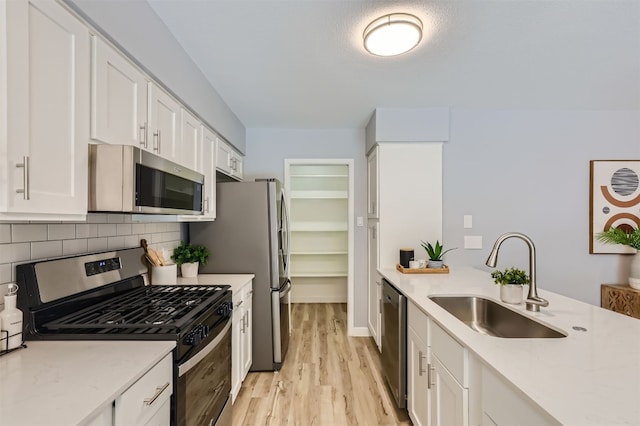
<point x="511" y="282"/>
<point x="189" y="258"/>
<point x="630" y="239"/>
<point x="435" y="254"/>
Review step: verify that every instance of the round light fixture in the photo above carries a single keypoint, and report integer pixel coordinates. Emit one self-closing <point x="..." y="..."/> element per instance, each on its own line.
<point x="393" y="34"/>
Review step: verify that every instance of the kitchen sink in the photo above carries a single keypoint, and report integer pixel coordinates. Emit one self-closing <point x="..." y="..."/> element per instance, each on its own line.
<point x="491" y="318"/>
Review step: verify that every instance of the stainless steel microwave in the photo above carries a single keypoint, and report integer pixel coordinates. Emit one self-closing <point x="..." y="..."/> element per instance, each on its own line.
<point x="127" y="179"/>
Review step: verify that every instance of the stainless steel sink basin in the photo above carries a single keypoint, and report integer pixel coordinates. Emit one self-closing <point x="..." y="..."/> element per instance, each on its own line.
<point x="488" y="317"/>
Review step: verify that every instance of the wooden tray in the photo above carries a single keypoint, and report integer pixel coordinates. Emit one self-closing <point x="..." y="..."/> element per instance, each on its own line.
<point x="443" y="270"/>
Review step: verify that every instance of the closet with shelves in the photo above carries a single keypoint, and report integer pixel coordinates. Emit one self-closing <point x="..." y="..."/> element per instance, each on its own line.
<point x="319" y="198"/>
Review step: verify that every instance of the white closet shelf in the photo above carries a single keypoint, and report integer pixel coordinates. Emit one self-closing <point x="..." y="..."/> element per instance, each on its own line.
<point x="318" y="195"/>
<point x="318" y="274"/>
<point x="318" y="226"/>
<point x="313" y="253"/>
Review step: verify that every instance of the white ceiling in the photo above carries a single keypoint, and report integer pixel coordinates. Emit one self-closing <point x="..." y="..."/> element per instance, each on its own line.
<point x="301" y="64"/>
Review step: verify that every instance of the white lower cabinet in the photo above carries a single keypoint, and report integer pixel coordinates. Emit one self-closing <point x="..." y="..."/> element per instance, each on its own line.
<point x="503" y="404"/>
<point x="241" y="329"/>
<point x="417" y="366"/>
<point x="147" y="401"/>
<point x="449" y="399"/>
<point x="375" y="285"/>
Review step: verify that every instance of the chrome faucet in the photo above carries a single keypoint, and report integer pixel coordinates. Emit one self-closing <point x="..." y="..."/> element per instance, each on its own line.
<point x="533" y="302"/>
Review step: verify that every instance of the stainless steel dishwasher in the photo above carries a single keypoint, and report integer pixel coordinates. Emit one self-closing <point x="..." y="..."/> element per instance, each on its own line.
<point x="394" y="341"/>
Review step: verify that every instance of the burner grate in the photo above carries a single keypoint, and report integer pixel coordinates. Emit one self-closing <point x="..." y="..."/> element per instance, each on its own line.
<point x="150" y="309"/>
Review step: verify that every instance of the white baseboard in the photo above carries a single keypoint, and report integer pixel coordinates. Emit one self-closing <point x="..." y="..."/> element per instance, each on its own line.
<point x="359" y="332"/>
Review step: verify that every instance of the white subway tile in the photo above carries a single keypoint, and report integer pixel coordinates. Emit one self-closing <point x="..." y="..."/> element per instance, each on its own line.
<point x="15" y="252"/>
<point x="150" y="228"/>
<point x="78" y="246"/>
<point x="123" y="229"/>
<point x="107" y="230"/>
<point x="131" y="241"/>
<point x="31" y="232"/>
<point x="5" y="234"/>
<point x="65" y="231"/>
<point x="46" y="249"/>
<point x="127" y="218"/>
<point x="6" y="275"/>
<point x="96" y="218"/>
<point x="137" y="228"/>
<point x="86" y="230"/>
<point x="115" y="243"/>
<point x="97" y="244"/>
<point x="115" y="218"/>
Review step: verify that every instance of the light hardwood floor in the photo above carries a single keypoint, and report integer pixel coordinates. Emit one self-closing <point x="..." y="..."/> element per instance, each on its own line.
<point x="327" y="378"/>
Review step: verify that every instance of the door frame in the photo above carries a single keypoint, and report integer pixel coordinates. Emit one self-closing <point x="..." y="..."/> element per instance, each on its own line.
<point x="349" y="162"/>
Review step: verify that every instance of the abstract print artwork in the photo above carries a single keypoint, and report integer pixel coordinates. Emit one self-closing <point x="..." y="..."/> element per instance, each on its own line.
<point x="614" y="201"/>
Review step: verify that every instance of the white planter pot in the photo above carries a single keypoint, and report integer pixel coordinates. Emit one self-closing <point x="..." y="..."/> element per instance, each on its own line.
<point x="189" y="270"/>
<point x="435" y="264"/>
<point x="634" y="271"/>
<point x="511" y="293"/>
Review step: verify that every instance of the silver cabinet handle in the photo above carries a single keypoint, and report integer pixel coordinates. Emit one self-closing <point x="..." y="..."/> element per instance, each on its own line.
<point x="159" y="391"/>
<point x="239" y="303"/>
<point x="246" y="320"/>
<point x="158" y="137"/>
<point x="25" y="178"/>
<point x="206" y="205"/>
<point x="420" y="358"/>
<point x="144" y="131"/>
<point x="429" y="384"/>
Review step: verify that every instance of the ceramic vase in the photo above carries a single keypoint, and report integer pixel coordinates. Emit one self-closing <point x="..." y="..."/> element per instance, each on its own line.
<point x="189" y="270"/>
<point x="511" y="293"/>
<point x="434" y="263"/>
<point x="634" y="272"/>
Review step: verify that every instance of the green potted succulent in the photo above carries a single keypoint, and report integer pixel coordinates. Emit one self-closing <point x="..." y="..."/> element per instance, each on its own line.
<point x="511" y="281"/>
<point x="189" y="257"/>
<point x="435" y="253"/>
<point x="629" y="238"/>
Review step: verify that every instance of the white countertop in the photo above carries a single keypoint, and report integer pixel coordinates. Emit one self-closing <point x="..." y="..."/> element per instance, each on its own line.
<point x="236" y="281"/>
<point x="587" y="378"/>
<point x="68" y="382"/>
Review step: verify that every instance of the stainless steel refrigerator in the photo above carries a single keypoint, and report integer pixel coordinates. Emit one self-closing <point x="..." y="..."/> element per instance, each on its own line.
<point x="251" y="235"/>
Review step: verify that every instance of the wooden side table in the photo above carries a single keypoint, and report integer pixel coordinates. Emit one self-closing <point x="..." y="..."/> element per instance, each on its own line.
<point x="620" y="298"/>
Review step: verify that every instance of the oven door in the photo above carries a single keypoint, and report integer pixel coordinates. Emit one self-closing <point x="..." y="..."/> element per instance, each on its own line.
<point x="204" y="384"/>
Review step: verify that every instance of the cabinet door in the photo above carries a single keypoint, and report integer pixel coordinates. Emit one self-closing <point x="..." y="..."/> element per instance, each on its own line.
<point x="47" y="101"/>
<point x="247" y="347"/>
<point x="375" y="284"/>
<point x="372" y="184"/>
<point x="164" y="115"/>
<point x="449" y="400"/>
<point x="190" y="141"/>
<point x="209" y="171"/>
<point x="417" y="379"/>
<point x="237" y="166"/>
<point x="223" y="156"/>
<point x="118" y="98"/>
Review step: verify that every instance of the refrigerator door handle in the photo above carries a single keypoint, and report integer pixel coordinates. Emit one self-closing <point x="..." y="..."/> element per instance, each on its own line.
<point x="285" y="289"/>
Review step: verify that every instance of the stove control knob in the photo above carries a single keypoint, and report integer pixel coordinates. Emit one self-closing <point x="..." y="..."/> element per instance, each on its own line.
<point x="196" y="335"/>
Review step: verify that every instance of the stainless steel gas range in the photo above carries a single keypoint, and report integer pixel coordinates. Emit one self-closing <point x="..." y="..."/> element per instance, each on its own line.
<point x="104" y="296"/>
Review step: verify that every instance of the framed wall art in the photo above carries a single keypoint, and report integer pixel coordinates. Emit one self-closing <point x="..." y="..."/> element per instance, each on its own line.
<point x="614" y="201"/>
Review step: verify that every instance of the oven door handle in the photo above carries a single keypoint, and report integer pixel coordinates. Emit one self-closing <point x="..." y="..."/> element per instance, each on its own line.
<point x="193" y="361"/>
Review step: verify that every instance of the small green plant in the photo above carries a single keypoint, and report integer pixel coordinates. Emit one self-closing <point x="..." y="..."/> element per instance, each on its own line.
<point x="620" y="236"/>
<point x="435" y="253"/>
<point x="510" y="276"/>
<point x="188" y="253"/>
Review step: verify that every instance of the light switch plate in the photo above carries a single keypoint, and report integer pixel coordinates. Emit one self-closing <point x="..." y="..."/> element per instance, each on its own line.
<point x="473" y="242"/>
<point x="359" y="221"/>
<point x="468" y="221"/>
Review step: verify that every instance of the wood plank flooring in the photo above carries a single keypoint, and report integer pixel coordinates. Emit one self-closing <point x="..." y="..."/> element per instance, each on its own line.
<point x="327" y="378"/>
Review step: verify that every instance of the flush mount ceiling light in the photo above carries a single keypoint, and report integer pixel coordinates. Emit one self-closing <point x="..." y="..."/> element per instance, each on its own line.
<point x="393" y="34"/>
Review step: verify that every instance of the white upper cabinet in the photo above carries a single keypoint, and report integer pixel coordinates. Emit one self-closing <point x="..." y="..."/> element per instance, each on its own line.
<point x="43" y="144"/>
<point x="228" y="161"/>
<point x="207" y="163"/>
<point x="190" y="141"/>
<point x="118" y="98"/>
<point x="164" y="119"/>
<point x="372" y="184"/>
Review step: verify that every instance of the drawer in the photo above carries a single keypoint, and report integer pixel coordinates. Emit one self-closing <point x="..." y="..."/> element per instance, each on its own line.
<point x="419" y="322"/>
<point x="451" y="353"/>
<point x="138" y="404"/>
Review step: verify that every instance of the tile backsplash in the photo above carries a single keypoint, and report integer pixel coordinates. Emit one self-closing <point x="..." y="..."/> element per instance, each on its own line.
<point x="24" y="242"/>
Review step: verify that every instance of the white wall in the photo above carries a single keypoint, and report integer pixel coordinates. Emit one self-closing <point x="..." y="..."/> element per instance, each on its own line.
<point x="266" y="151"/>
<point x="135" y="26"/>
<point x="528" y="171"/>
